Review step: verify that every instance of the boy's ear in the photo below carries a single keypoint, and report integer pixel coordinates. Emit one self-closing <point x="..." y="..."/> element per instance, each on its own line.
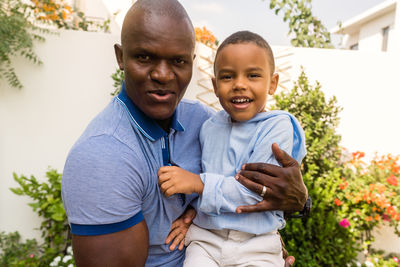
<point x="274" y="83"/>
<point x="215" y="86"/>
<point x="119" y="56"/>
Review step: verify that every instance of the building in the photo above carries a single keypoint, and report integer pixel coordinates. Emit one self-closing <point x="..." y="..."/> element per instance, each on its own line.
<point x="372" y="30"/>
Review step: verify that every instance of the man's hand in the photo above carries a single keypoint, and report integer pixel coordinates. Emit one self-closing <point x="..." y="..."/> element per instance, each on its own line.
<point x="179" y="229"/>
<point x="285" y="187"/>
<point x="173" y="180"/>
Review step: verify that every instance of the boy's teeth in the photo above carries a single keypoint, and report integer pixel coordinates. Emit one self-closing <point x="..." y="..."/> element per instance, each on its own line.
<point x="242" y="100"/>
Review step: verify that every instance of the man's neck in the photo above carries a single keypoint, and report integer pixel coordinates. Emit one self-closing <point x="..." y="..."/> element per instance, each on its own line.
<point x="164" y="124"/>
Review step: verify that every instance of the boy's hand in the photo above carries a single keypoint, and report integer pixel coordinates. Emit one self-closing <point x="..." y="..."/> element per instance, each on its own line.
<point x="179" y="229"/>
<point x="173" y="180"/>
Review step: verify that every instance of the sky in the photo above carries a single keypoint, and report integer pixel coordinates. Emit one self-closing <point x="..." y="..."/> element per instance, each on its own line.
<point x="224" y="17"/>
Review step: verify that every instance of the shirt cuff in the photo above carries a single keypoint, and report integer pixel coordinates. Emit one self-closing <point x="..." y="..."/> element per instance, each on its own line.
<point x="102" y="229"/>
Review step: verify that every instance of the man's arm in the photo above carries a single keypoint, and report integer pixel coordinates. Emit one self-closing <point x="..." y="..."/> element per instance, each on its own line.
<point x="125" y="248"/>
<point x="285" y="186"/>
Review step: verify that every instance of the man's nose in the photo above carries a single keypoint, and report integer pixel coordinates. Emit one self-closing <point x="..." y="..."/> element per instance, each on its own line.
<point x="162" y="72"/>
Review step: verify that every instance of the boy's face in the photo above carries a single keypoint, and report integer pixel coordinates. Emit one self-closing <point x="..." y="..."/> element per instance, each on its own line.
<point x="243" y="80"/>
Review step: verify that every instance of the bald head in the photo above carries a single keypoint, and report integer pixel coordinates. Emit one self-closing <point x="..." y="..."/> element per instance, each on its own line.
<point x="144" y="10"/>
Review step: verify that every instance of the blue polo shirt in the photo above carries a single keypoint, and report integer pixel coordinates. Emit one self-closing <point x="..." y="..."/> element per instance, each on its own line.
<point x="110" y="178"/>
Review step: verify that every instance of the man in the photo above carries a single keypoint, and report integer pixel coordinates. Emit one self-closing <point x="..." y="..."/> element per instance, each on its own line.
<point x="118" y="215"/>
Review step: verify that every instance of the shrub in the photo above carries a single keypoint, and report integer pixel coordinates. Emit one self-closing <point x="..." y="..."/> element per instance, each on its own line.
<point x="318" y="240"/>
<point x="47" y="203"/>
<point x="13" y="252"/>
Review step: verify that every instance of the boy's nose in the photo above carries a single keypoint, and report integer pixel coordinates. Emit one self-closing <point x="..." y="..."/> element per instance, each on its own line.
<point x="240" y="84"/>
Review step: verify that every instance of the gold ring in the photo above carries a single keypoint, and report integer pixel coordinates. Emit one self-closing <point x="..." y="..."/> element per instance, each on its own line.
<point x="263" y="191"/>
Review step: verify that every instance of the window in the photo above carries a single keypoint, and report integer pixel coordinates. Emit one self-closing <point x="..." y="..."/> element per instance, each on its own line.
<point x="354" y="47"/>
<point x="385" y="37"/>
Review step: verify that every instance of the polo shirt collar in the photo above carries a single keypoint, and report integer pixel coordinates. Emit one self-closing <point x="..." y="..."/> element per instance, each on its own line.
<point x="147" y="126"/>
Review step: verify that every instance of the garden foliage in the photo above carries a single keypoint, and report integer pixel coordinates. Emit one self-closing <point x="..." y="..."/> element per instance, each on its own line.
<point x="307" y="29"/>
<point x="47" y="203"/>
<point x="24" y="22"/>
<point x="318" y="240"/>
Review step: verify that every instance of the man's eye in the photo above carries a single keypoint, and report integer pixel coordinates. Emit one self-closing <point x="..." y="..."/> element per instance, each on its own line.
<point x="143" y="58"/>
<point x="179" y="61"/>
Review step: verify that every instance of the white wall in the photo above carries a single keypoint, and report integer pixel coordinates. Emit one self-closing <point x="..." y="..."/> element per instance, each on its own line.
<point x="40" y="122"/>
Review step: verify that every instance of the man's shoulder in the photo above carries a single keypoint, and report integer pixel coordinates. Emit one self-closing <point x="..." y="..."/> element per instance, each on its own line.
<point x="194" y="111"/>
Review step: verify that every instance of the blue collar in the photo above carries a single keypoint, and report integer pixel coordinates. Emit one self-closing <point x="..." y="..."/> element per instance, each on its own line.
<point x="147" y="126"/>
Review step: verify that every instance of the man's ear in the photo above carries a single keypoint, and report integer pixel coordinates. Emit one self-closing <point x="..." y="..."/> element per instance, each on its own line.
<point x="274" y="83"/>
<point x="214" y="83"/>
<point x="119" y="56"/>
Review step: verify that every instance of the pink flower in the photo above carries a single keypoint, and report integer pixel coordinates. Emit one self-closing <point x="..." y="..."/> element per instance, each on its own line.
<point x="386" y="217"/>
<point x="31" y="256"/>
<point x="344" y="223"/>
<point x="395" y="259"/>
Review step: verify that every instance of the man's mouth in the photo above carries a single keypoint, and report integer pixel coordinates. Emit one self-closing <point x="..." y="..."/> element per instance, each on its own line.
<point x="161" y="95"/>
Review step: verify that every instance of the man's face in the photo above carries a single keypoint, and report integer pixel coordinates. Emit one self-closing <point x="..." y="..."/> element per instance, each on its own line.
<point x="157" y="58"/>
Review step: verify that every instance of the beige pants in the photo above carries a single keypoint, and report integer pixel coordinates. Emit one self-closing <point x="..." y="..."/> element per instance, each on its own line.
<point x="209" y="248"/>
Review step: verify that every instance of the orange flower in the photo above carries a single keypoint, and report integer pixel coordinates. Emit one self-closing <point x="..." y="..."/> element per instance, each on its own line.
<point x="338" y="202"/>
<point x="377" y="217"/>
<point x="368" y="219"/>
<point x="392" y="180"/>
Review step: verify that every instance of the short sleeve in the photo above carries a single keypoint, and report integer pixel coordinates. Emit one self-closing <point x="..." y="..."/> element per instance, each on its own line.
<point x="102" y="186"/>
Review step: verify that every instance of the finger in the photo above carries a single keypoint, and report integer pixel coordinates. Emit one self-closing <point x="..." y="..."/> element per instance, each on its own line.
<point x="259" y="178"/>
<point x="260" y="206"/>
<point x="289" y="261"/>
<point x="164" y="169"/>
<point x="165" y="186"/>
<point x="182" y="244"/>
<point x="189" y="216"/>
<point x="282" y="157"/>
<point x="172" y="235"/>
<point x="170" y="191"/>
<point x="163" y="178"/>
<point x="266" y="168"/>
<point x="176" y="241"/>
<point x="255" y="187"/>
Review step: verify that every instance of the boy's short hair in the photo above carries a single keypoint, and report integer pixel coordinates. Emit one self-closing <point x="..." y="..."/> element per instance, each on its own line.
<point x="248" y="37"/>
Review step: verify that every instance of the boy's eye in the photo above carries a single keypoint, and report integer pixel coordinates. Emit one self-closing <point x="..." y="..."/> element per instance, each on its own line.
<point x="225" y="77"/>
<point x="254" y="75"/>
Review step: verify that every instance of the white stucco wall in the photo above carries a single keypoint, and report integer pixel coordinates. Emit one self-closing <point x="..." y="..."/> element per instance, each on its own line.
<point x="40" y="122"/>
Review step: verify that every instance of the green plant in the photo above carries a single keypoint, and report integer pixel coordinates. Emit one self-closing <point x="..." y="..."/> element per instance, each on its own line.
<point x="308" y="29"/>
<point x="318" y="240"/>
<point x="14" y="252"/>
<point x="369" y="194"/>
<point x="24" y="22"/>
<point x="48" y="205"/>
<point x="17" y="35"/>
<point x="118" y="78"/>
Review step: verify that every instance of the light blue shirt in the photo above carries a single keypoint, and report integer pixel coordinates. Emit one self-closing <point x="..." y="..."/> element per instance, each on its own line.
<point x="226" y="146"/>
<point x="110" y="180"/>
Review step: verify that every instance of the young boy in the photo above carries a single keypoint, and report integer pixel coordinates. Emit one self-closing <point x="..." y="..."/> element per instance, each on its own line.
<point x="243" y="132"/>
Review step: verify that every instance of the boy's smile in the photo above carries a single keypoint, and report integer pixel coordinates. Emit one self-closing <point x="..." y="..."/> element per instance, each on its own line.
<point x="243" y="80"/>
